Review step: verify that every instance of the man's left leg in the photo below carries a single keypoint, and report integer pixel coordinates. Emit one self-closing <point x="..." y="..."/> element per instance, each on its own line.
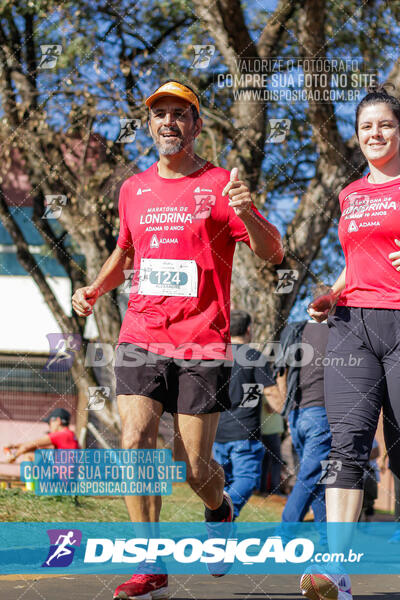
<point x="203" y="394"/>
<point x="194" y="438"/>
<point x="140" y="417"/>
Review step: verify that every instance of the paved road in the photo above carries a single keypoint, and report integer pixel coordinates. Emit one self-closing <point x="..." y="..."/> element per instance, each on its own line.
<point x="182" y="587"/>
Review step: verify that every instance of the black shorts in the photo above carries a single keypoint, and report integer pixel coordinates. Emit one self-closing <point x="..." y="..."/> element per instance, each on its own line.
<point x="183" y="387"/>
<point x="362" y="375"/>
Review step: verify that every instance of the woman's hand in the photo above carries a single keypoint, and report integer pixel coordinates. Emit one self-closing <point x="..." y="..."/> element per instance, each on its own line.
<point x="395" y="256"/>
<point x="320" y="308"/>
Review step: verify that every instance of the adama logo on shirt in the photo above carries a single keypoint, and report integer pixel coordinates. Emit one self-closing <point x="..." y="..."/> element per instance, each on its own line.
<point x="352" y="227"/>
<point x="155" y="242"/>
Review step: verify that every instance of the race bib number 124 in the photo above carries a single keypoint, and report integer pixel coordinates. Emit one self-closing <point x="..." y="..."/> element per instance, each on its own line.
<point x="168" y="277"/>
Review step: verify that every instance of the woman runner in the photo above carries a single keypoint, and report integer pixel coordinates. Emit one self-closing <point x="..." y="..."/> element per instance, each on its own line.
<point x="363" y="372"/>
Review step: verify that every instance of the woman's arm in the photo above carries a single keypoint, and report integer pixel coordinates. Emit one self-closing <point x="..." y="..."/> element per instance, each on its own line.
<point x="320" y="308"/>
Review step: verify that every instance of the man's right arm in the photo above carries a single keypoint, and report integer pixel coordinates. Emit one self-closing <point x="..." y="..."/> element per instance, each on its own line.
<point x="275" y="395"/>
<point x="21" y="449"/>
<point x="111" y="276"/>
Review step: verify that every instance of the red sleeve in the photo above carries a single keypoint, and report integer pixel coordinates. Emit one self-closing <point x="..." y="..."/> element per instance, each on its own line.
<point x="56" y="438"/>
<point x="64" y="439"/>
<point x="124" y="238"/>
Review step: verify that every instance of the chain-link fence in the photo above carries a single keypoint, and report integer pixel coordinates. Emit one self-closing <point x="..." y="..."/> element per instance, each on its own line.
<point x="28" y="392"/>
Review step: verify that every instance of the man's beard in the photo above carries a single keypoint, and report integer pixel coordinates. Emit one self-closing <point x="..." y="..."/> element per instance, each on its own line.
<point x="168" y="148"/>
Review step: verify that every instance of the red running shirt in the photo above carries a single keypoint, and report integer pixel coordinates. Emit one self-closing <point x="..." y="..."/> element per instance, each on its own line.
<point x="369" y="224"/>
<point x="184" y="235"/>
<point x="64" y="439"/>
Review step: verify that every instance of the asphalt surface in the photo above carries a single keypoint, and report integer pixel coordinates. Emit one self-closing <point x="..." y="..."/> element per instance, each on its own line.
<point x="183" y="587"/>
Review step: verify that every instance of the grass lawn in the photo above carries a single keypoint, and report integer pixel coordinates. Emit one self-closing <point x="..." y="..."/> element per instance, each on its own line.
<point x="182" y="505"/>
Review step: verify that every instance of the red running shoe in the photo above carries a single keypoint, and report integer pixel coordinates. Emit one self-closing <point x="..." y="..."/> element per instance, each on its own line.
<point x="143" y="587"/>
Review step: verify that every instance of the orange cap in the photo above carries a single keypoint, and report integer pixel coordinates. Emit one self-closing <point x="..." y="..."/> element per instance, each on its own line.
<point x="173" y="88"/>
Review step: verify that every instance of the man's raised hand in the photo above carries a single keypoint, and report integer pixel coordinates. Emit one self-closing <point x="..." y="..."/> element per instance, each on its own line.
<point x="239" y="194"/>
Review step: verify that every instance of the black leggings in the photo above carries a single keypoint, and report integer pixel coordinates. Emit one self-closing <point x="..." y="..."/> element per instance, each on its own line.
<point x="362" y="374"/>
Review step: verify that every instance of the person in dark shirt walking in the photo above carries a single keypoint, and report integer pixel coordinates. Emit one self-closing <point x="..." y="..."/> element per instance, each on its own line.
<point x="299" y="369"/>
<point x="238" y="447"/>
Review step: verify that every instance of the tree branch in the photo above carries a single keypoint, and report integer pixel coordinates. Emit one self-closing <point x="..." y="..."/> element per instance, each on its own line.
<point x="221" y="120"/>
<point x="15" y="38"/>
<point x="224" y="20"/>
<point x="271" y="35"/>
<point x="56" y="244"/>
<point x="321" y="113"/>
<point x="9" y="103"/>
<point x="28" y="262"/>
<point x="30" y="57"/>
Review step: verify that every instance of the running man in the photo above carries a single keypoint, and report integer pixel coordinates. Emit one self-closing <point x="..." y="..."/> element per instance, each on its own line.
<point x="179" y="303"/>
<point x="63" y="541"/>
